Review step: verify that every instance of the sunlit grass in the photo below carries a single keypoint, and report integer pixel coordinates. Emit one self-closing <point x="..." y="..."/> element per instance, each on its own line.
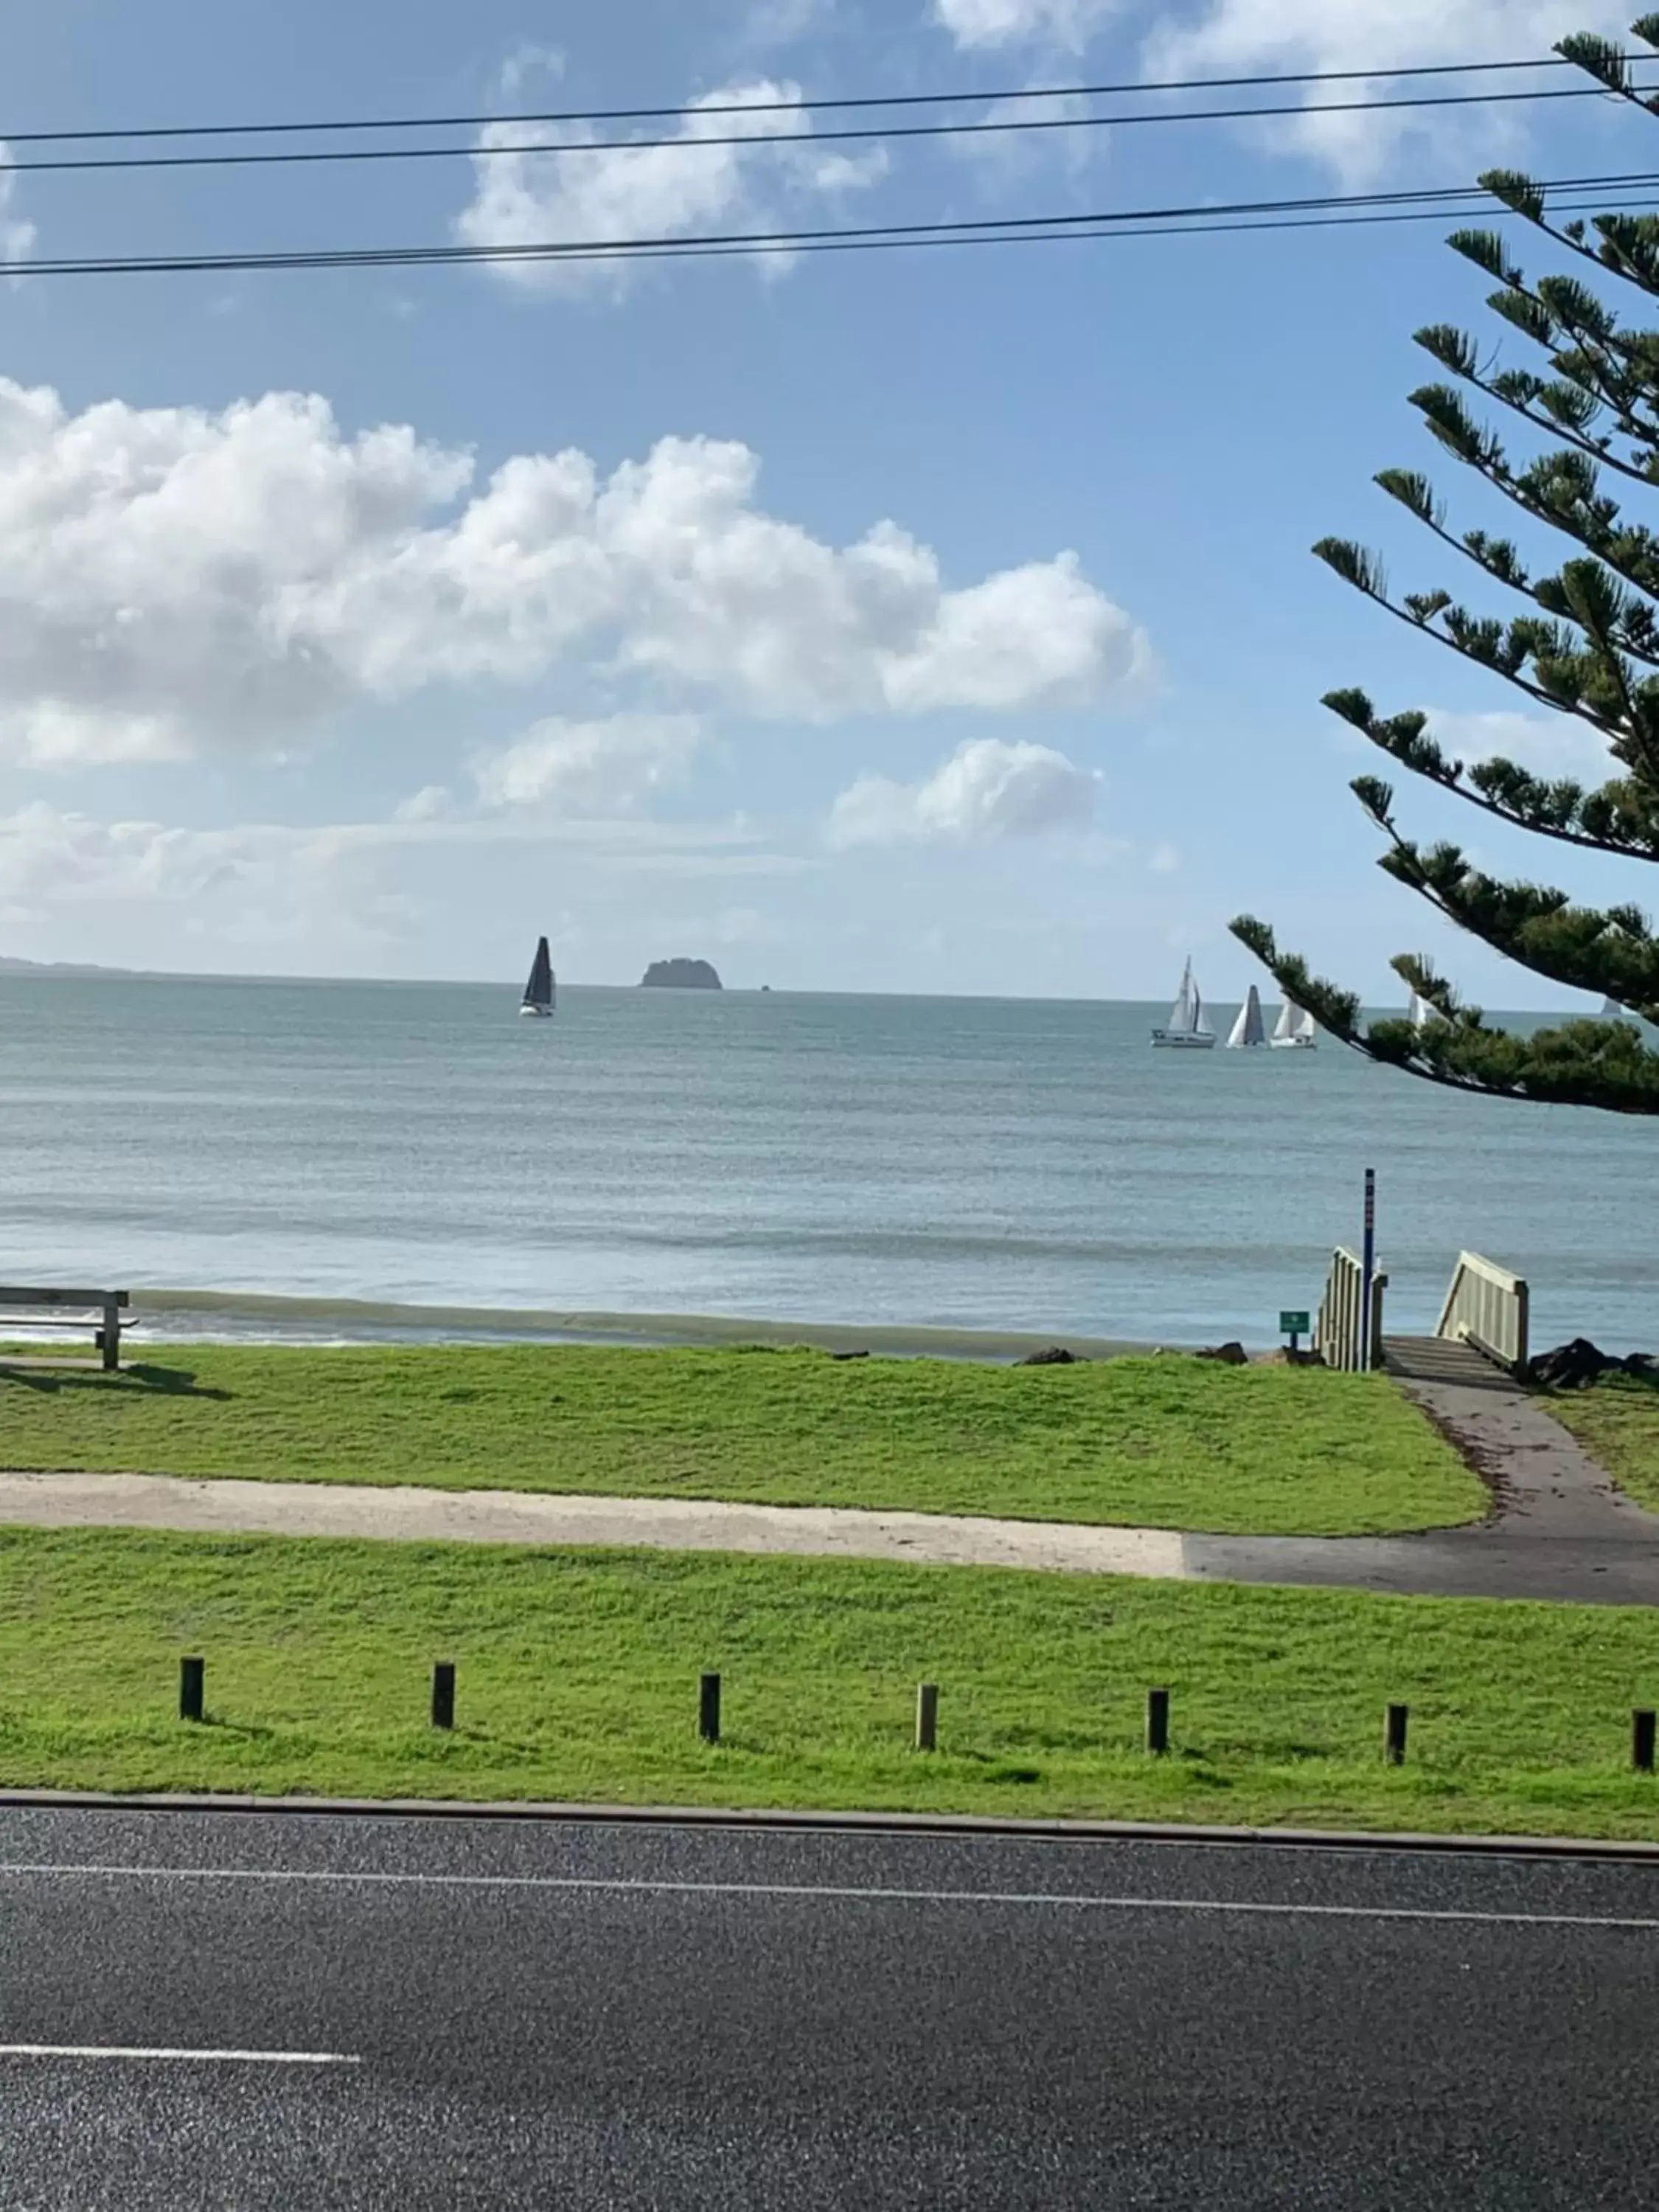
<point x="578" y="1680"/>
<point x="1617" y="1421"/>
<point x="1167" y="1442"/>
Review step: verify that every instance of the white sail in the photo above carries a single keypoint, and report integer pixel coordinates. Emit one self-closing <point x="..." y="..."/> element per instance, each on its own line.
<point x="1306" y="1028"/>
<point x="1185" y="1022"/>
<point x="1422" y="1011"/>
<point x="1285" y="1027"/>
<point x="1183" y="1015"/>
<point x="1247" y="1030"/>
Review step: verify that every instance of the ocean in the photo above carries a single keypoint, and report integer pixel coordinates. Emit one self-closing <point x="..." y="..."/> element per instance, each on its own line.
<point x="344" y="1160"/>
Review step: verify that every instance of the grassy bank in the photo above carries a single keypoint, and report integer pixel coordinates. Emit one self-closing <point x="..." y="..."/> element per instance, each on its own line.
<point x="1170" y="1442"/>
<point x="578" y="1680"/>
<point x="1616" y="1422"/>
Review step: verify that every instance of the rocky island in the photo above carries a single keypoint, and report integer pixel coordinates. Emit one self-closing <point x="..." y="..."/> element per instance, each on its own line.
<point x="680" y="975"/>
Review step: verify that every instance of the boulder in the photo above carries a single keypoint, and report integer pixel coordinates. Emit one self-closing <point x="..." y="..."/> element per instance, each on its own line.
<point x="1570" y="1366"/>
<point x="1055" y="1356"/>
<point x="1232" y="1354"/>
<point x="1574" y="1366"/>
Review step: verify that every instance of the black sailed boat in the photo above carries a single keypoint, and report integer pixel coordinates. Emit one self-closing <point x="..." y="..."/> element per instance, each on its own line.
<point x="538" y="992"/>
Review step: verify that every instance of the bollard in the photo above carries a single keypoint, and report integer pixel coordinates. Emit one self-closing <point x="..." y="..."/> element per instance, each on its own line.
<point x="1642" y="1742"/>
<point x="443" y="1695"/>
<point x="708" y="1709"/>
<point x="1157" y="1722"/>
<point x="191" y="1674"/>
<point x="1394" y="1735"/>
<point x="926" y="1715"/>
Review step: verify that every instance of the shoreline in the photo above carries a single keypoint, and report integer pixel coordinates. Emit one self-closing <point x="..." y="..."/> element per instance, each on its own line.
<point x="159" y="1316"/>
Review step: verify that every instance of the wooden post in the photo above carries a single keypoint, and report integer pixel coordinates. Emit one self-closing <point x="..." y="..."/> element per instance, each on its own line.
<point x="926" y="1715"/>
<point x="1641" y="1727"/>
<point x="1394" y="1735"/>
<point x="443" y="1694"/>
<point x="109" y="1337"/>
<point x="191" y="1673"/>
<point x="708" y="1709"/>
<point x="1157" y="1722"/>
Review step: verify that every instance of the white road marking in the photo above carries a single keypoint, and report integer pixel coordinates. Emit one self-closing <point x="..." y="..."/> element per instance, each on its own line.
<point x="190" y="2057"/>
<point x="823" y="1891"/>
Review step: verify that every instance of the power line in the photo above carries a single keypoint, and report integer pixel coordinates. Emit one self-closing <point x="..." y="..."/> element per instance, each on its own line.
<point x="778" y="107"/>
<point x="1313" y="212"/>
<point x="289" y="157"/>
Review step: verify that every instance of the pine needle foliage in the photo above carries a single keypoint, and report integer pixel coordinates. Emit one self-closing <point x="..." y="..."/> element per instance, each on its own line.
<point x="1581" y="639"/>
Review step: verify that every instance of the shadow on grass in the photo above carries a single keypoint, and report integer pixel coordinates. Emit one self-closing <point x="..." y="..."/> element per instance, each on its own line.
<point x="128" y="1381"/>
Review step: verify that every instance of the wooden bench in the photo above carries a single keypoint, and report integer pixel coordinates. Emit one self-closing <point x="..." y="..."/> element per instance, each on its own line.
<point x="98" y="1310"/>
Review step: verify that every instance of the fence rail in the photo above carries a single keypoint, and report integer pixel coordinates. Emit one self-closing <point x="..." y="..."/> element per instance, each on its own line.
<point x="1339" y="1338"/>
<point x="1490" y="1309"/>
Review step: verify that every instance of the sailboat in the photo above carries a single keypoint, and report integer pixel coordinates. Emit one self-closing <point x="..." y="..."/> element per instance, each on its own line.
<point x="1421" y="1011"/>
<point x="538" y="992"/>
<point x="1248" y="1029"/>
<point x="1295" y="1030"/>
<point x="1186" y="1031"/>
<point x="1612" y="1011"/>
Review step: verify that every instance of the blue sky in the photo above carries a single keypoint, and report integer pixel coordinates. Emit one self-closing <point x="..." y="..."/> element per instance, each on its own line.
<point x="911" y="622"/>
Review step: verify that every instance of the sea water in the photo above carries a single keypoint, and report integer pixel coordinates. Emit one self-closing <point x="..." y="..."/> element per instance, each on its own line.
<point x="330" y="1158"/>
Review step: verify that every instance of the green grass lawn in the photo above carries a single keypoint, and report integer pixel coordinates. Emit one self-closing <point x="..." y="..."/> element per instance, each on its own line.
<point x="578" y="1680"/>
<point x="1169" y="1442"/>
<point x="1617" y="1421"/>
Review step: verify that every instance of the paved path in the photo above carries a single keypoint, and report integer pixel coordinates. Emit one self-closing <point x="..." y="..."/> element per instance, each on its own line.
<point x="200" y="2011"/>
<point x="1558" y="1529"/>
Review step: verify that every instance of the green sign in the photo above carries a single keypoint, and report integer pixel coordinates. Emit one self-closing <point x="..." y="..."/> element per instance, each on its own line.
<point x="1295" y="1324"/>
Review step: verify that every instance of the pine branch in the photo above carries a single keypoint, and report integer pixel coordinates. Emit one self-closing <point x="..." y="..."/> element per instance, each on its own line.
<point x="1480" y="644"/>
<point x="1604" y="821"/>
<point x="1587" y="1063"/>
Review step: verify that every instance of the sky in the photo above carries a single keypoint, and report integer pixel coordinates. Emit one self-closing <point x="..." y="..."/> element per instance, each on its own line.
<point x="937" y="621"/>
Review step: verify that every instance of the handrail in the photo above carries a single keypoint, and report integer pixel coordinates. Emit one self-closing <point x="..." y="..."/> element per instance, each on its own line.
<point x="1489" y="1308"/>
<point x="1339" y="1338"/>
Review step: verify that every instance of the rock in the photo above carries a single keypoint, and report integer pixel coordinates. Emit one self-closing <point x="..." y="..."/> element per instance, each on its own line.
<point x="1570" y="1366"/>
<point x="1232" y="1354"/>
<point x="680" y="975"/>
<point x="1055" y="1356"/>
<point x="1574" y="1366"/>
<point x="849" y="1355"/>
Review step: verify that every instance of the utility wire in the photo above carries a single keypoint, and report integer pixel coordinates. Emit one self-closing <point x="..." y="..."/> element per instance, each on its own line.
<point x="683" y="144"/>
<point x="778" y="107"/>
<point x="1317" y="212"/>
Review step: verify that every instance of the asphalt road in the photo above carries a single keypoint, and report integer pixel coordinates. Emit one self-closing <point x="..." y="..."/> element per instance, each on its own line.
<point x="323" y="2012"/>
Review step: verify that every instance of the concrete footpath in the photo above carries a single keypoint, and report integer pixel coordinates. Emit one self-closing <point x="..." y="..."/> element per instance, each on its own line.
<point x="1558" y="1529"/>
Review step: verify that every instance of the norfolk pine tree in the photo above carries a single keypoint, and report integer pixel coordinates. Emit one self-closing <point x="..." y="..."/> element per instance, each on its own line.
<point x="1583" y="641"/>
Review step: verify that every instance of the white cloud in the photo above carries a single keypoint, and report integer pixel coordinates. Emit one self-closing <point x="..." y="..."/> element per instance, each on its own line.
<point x="1227" y="37"/>
<point x="1546" y="745"/>
<point x="987" y="789"/>
<point x="174" y="582"/>
<point x="590" y="770"/>
<point x="269" y="875"/>
<point x="1066" y="23"/>
<point x="16" y="236"/>
<point x="674" y="190"/>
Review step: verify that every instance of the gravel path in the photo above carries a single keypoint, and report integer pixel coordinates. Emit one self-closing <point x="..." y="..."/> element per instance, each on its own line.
<point x="476" y="1516"/>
